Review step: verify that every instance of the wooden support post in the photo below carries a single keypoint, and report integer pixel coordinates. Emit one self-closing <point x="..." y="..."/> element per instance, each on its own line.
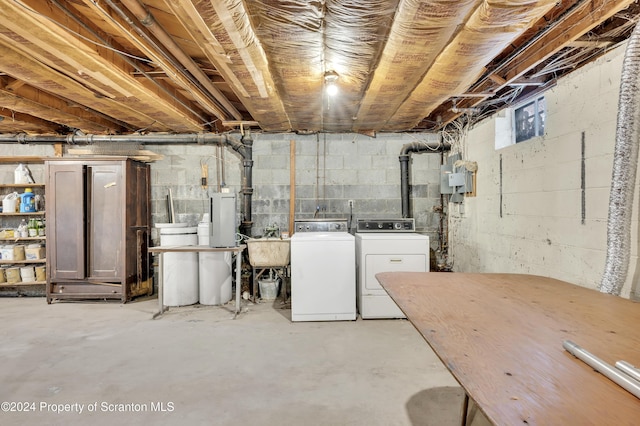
<point x="292" y="185"/>
<point x="57" y="149"/>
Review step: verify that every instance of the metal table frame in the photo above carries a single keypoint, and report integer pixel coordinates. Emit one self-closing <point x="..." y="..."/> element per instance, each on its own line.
<point x="161" y="250"/>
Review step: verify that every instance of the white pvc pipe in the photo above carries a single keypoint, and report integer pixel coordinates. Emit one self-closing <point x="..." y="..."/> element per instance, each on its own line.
<point x="626" y="382"/>
<point x="629" y="369"/>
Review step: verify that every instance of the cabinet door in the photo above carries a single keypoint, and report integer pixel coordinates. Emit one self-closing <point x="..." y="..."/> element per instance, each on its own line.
<point x="65" y="221"/>
<point x="106" y="194"/>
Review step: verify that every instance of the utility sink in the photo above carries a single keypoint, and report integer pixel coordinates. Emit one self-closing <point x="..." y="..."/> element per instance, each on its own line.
<point x="269" y="252"/>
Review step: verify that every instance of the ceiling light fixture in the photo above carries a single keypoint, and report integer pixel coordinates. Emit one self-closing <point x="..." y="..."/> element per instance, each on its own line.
<point x="330" y="79"/>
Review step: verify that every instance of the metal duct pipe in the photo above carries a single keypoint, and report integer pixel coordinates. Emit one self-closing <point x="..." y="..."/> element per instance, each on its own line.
<point x="625" y="164"/>
<point x="405" y="156"/>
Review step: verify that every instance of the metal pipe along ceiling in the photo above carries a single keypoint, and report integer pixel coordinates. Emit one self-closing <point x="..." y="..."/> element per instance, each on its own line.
<point x="244" y="147"/>
<point x="625" y="164"/>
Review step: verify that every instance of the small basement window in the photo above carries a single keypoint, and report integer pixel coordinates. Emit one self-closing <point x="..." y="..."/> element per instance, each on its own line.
<point x="529" y="119"/>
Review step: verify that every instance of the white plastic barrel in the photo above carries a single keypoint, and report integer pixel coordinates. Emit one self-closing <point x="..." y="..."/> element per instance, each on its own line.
<point x="214" y="270"/>
<point x="180" y="270"/>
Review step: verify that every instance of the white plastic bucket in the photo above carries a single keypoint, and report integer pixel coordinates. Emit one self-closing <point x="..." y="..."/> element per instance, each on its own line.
<point x="9" y="205"/>
<point x="27" y="274"/>
<point x="214" y="271"/>
<point x="180" y="270"/>
<point x="268" y="288"/>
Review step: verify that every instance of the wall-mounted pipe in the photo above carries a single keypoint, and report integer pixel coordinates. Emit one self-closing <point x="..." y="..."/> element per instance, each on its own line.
<point x="625" y="164"/>
<point x="405" y="157"/>
<point x="244" y="147"/>
<point x="79" y="138"/>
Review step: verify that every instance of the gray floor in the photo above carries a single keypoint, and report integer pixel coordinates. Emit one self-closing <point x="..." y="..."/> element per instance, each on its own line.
<point x="202" y="367"/>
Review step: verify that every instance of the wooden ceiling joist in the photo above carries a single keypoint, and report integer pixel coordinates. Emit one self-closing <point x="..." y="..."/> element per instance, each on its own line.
<point x="94" y="66"/>
<point x="576" y="23"/>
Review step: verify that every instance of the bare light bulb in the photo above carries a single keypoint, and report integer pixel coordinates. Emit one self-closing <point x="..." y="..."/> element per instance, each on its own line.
<point x="332" y="89"/>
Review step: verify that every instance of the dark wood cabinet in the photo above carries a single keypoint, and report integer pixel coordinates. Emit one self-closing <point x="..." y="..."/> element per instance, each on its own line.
<point x="99" y="223"/>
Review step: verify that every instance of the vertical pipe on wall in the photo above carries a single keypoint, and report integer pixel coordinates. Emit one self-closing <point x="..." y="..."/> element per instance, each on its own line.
<point x="247" y="184"/>
<point x="625" y="162"/>
<point x="404" y="183"/>
<point x="405" y="157"/>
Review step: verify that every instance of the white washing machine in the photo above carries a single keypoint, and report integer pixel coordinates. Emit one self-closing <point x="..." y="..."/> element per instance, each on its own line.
<point x="323" y="276"/>
<point x="386" y="245"/>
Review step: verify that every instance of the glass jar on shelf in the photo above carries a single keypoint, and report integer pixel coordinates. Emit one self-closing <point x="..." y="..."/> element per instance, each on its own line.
<point x="41" y="228"/>
<point x="33" y="227"/>
<point x="23" y="229"/>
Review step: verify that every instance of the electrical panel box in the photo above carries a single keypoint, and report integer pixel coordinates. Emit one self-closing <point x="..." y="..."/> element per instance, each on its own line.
<point x="445" y="171"/>
<point x="457" y="179"/>
<point x="222" y="214"/>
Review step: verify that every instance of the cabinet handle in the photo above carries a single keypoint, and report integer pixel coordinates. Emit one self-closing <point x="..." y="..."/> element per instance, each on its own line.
<point x="395" y="260"/>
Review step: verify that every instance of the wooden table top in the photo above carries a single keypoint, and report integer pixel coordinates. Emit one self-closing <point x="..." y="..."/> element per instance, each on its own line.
<point x="501" y="337"/>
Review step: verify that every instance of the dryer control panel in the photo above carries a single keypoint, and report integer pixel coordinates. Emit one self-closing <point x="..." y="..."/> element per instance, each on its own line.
<point x="386" y="225"/>
<point x="321" y="225"/>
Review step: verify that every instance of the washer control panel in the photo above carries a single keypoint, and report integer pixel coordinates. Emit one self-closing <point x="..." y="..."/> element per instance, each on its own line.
<point x="321" y="225"/>
<point x="386" y="225"/>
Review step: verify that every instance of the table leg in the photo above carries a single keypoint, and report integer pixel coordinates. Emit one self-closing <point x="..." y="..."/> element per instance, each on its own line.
<point x="465" y="409"/>
<point x="238" y="280"/>
<point x="284" y="285"/>
<point x="160" y="285"/>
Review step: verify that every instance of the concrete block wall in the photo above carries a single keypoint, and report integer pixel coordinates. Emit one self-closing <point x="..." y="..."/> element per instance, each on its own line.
<point x="180" y="172"/>
<point x="330" y="170"/>
<point x="534" y="224"/>
<point x="14" y="150"/>
<point x="334" y="168"/>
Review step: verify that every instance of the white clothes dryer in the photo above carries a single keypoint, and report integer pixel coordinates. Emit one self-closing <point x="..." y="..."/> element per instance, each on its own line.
<point x="386" y="245"/>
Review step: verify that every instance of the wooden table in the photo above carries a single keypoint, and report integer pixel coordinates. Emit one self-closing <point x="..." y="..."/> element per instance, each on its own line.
<point x="501" y="337"/>
<point x="161" y="250"/>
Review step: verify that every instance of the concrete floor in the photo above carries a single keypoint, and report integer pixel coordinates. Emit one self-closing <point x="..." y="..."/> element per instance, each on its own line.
<point x="202" y="367"/>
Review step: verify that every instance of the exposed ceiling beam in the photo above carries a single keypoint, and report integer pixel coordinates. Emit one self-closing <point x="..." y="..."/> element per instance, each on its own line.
<point x="254" y="88"/>
<point x="225" y="108"/>
<point x="92" y="66"/>
<point x="581" y="19"/>
<point x="57" y="114"/>
<point x="574" y="23"/>
<point x="13" y="121"/>
<point x="43" y="77"/>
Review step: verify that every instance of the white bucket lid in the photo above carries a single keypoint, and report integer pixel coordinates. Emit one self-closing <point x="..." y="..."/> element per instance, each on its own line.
<point x="171" y="225"/>
<point x="179" y="231"/>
